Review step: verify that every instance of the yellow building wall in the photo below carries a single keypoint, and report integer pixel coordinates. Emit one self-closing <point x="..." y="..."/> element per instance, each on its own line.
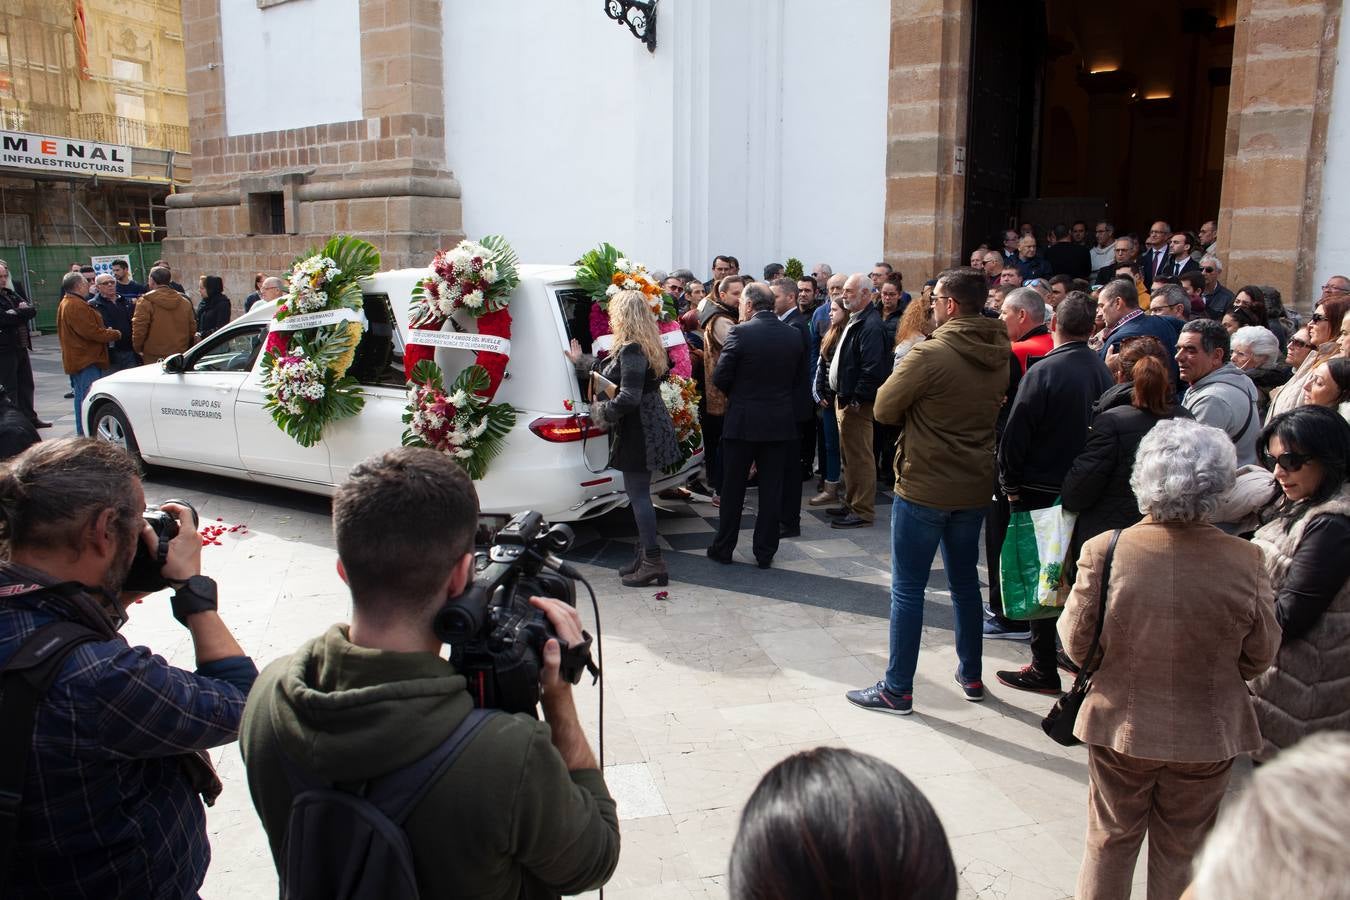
<point x="136" y="89"/>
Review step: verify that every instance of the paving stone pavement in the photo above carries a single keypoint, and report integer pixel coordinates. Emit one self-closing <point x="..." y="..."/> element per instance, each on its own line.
<point x="705" y="688"/>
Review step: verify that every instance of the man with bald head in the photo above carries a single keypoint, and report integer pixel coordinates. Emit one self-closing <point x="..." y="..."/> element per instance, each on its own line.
<point x="858" y="368"/>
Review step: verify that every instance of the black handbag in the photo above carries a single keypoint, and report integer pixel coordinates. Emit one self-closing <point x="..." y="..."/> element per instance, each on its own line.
<point x="1059" y="722"/>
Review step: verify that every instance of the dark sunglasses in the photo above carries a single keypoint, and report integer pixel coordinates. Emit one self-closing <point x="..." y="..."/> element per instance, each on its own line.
<point x="1290" y="462"/>
<point x="1206" y="268"/>
<point x="1295" y="342"/>
<point x="1317" y="317"/>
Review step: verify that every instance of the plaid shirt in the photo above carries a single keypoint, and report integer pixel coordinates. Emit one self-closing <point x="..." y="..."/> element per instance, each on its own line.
<point x="106" y="809"/>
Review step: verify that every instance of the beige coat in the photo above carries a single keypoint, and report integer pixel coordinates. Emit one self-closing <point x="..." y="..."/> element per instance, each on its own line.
<point x="163" y="324"/>
<point x="1189" y="618"/>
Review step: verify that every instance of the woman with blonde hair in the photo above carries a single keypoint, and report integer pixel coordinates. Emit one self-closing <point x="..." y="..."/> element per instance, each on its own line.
<point x="644" y="438"/>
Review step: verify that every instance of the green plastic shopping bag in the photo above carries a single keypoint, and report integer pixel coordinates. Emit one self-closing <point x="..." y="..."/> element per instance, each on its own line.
<point x="1031" y="563"/>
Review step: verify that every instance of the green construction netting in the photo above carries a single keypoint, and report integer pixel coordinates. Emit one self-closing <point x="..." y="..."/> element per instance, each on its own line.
<point x="47" y="264"/>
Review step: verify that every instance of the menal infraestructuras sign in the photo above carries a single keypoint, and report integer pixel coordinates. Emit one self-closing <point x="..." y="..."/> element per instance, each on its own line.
<point x="47" y="153"/>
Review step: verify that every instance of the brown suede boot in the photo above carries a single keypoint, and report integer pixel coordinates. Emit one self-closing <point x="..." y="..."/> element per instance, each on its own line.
<point x="828" y="495"/>
<point x="651" y="569"/>
<point x="630" y="567"/>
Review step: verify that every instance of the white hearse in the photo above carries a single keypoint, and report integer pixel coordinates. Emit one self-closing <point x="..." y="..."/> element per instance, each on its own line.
<point x="203" y="409"/>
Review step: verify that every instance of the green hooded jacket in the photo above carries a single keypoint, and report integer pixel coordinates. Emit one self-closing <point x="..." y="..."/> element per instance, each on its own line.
<point x="947" y="393"/>
<point x="507" y="820"/>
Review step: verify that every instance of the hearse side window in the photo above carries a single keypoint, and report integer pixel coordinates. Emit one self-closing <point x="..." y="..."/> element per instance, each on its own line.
<point x="231" y="351"/>
<point x="576" y="312"/>
<point x="379" y="356"/>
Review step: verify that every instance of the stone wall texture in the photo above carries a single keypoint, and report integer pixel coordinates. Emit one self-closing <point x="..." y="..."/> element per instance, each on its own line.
<point x="926" y="121"/>
<point x="1284" y="57"/>
<point x="382" y="177"/>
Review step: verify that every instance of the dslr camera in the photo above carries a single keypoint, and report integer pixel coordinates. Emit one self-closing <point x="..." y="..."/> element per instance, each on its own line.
<point x="145" y="575"/>
<point x="496" y="636"/>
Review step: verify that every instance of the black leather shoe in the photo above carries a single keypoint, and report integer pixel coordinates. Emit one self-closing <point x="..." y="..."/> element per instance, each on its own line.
<point x="786" y="532"/>
<point x="838" y="511"/>
<point x="764" y="562"/>
<point x="38" y="423"/>
<point x="69" y="395"/>
<point x="714" y="555"/>
<point x="850" y="521"/>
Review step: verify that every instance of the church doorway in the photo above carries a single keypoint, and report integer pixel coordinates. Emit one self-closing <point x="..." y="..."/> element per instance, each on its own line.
<point x="1078" y="112"/>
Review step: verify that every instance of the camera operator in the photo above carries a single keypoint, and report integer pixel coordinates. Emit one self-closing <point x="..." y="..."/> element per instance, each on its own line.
<point x="523" y="810"/>
<point x="110" y="804"/>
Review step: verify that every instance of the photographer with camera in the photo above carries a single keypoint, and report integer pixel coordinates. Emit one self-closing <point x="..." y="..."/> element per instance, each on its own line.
<point x="102" y="769"/>
<point x="371" y="769"/>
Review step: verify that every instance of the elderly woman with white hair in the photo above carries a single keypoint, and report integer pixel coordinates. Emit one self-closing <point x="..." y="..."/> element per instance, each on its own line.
<point x="1284" y="835"/>
<point x="1256" y="351"/>
<point x="1188" y="620"/>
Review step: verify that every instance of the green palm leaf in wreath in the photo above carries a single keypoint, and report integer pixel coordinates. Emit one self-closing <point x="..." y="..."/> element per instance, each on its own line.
<point x="357" y="259"/>
<point x="492" y="421"/>
<point x="596" y="270"/>
<point x="505" y="259"/>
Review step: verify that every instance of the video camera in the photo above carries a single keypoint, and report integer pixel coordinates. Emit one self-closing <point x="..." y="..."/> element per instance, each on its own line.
<point x="496" y="635"/>
<point x="145" y="575"/>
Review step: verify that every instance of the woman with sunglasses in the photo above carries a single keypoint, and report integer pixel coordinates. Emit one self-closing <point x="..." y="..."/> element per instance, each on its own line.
<point x="1324" y="327"/>
<point x="1299" y="348"/>
<point x="1303" y="545"/>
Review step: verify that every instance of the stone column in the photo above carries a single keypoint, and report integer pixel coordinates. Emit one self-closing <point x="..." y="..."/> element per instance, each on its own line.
<point x="382" y="177"/>
<point x="926" y="123"/>
<point x="1284" y="58"/>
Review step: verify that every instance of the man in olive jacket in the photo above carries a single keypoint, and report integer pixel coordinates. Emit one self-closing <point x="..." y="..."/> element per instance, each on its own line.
<point x="523" y="811"/>
<point x="946" y="393"/>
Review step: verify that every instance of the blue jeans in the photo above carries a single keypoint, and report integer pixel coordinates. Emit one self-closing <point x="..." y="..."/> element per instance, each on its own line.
<point x="830" y="425"/>
<point x="80" y="383"/>
<point x="916" y="533"/>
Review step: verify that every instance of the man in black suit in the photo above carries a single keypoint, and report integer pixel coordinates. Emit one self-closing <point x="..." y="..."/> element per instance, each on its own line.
<point x="762" y="366"/>
<point x="1154" y="258"/>
<point x="1179" y="248"/>
<point x="797" y="467"/>
<point x="1009" y="250"/>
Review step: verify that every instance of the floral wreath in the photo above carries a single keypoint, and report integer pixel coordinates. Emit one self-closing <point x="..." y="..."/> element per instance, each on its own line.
<point x="605" y="271"/>
<point x="313" y="340"/>
<point x="475" y="278"/>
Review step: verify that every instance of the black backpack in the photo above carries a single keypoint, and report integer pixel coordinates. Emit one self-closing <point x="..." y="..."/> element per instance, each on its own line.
<point x="24" y="680"/>
<point x="347" y="842"/>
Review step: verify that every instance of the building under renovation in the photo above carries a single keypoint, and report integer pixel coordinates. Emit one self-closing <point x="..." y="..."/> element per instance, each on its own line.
<point x="93" y="134"/>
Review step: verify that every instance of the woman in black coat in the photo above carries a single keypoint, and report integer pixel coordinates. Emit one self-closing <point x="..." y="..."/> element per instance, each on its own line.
<point x="1097" y="487"/>
<point x="643" y="438"/>
<point x="214" y="309"/>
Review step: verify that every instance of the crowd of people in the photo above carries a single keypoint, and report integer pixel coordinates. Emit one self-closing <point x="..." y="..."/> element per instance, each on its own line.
<point x="1202" y="433"/>
<point x="106" y="322"/>
<point x="1200" y="443"/>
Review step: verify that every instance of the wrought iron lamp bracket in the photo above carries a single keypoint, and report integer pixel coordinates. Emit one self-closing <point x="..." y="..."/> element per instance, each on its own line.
<point x="638" y="15"/>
